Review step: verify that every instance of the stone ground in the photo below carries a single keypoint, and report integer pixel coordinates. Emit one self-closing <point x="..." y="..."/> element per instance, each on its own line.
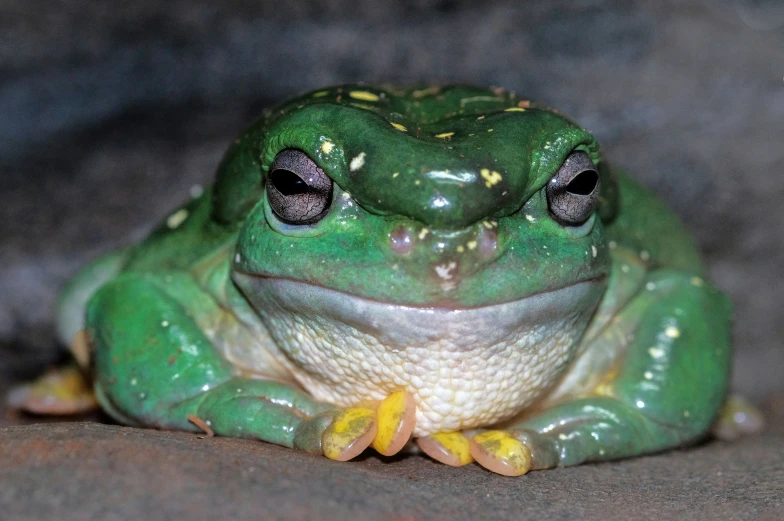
<point x="111" y="111"/>
<point x="91" y="471"/>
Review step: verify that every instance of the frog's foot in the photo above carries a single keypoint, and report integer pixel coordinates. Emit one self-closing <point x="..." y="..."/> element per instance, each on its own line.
<point x="61" y="391"/>
<point x="451" y="448"/>
<point x="514" y="452"/>
<point x="344" y="434"/>
<point x="737" y="418"/>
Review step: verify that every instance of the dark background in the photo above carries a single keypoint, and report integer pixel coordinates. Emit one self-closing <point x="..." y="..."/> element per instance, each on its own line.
<point x="111" y="111"/>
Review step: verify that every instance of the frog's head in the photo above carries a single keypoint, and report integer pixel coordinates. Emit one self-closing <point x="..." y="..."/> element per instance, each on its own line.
<point x="450" y="198"/>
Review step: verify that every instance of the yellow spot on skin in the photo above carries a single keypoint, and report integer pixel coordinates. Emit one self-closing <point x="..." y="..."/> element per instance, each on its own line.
<point x="445" y="135"/>
<point x="481" y="117"/>
<point x="648" y="375"/>
<point x="456" y="444"/>
<point x="471" y="245"/>
<point x="489" y="129"/>
<point x="177" y="218"/>
<point x="395" y="174"/>
<point x="327" y="147"/>
<point x="320" y="93"/>
<point x="491" y="178"/>
<point x="423" y="233"/>
<point x="696" y="281"/>
<point x="417" y="182"/>
<point x="421" y="93"/>
<point x="358" y="162"/>
<point x="530" y="218"/>
<point x="514" y="109"/>
<point x="656" y="352"/>
<point x="460" y="249"/>
<point x="510" y="452"/>
<point x="479" y="99"/>
<point x="398" y="126"/>
<point x="604" y="389"/>
<point x="348" y="427"/>
<point x="672" y="332"/>
<point x="363" y="95"/>
<point x="363" y="106"/>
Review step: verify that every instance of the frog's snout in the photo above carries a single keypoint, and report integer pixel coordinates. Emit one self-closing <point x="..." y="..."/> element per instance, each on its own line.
<point x="446" y="257"/>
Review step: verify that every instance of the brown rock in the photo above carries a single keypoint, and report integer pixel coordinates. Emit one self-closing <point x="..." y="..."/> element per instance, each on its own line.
<point x="91" y="471"/>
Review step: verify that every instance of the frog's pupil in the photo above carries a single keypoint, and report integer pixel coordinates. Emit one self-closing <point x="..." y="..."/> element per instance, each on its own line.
<point x="288" y="183"/>
<point x="583" y="183"/>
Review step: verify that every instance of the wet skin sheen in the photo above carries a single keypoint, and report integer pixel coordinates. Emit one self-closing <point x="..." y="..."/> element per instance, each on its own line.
<point x="453" y="265"/>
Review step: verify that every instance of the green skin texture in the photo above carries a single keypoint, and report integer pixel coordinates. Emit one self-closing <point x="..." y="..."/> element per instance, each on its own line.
<point x="169" y="301"/>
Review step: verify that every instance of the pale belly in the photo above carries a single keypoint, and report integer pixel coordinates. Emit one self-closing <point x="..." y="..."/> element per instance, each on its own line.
<point x="465" y="368"/>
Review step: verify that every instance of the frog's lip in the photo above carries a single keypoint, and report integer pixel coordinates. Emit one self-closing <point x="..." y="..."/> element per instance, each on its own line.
<point x="321" y="293"/>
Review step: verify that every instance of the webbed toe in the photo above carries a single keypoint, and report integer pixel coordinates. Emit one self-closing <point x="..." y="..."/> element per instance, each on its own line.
<point x="350" y="433"/>
<point x="450" y="448"/>
<point x="396" y="417"/>
<point x="502" y="453"/>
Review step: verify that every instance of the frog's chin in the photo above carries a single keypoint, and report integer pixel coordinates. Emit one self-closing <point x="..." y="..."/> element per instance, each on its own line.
<point x="465" y="367"/>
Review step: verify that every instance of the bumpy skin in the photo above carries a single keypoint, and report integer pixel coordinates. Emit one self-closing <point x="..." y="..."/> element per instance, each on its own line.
<point x="439" y="271"/>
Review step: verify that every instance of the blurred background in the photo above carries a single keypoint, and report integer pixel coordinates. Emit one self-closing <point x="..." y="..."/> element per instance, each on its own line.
<point x="111" y="111"/>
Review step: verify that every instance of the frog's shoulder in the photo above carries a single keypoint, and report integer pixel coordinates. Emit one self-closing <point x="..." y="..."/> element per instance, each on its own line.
<point x="184" y="238"/>
<point x="645" y="225"/>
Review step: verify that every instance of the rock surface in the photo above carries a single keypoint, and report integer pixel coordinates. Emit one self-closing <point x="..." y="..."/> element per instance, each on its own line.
<point x="83" y="471"/>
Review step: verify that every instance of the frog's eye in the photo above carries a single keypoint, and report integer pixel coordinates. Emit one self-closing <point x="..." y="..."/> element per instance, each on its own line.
<point x="298" y="191"/>
<point x="573" y="193"/>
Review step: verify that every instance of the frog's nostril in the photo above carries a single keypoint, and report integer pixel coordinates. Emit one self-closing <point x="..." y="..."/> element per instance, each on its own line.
<point x="401" y="240"/>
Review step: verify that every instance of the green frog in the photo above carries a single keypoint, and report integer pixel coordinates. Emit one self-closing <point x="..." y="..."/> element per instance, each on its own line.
<point x="454" y="270"/>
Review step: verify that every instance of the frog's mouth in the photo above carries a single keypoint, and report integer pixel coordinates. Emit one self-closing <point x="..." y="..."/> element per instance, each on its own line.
<point x="412" y="325"/>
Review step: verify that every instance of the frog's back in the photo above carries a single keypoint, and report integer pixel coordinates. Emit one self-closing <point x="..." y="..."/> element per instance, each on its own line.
<point x="183" y="240"/>
<point x="644" y="225"/>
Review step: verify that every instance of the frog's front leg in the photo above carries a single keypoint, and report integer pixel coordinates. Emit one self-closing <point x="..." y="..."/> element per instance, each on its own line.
<point x="664" y="390"/>
<point x="155" y="366"/>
